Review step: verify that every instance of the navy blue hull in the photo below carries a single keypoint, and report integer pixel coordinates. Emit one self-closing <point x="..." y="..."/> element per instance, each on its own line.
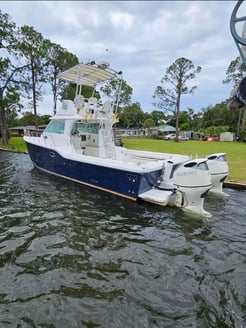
<point x="124" y="183"/>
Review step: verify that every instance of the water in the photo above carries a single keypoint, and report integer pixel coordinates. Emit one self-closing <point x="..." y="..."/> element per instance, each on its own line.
<point x="75" y="257"/>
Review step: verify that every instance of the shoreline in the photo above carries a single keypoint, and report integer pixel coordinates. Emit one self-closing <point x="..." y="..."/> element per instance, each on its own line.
<point x="234" y="185"/>
<point x="226" y="184"/>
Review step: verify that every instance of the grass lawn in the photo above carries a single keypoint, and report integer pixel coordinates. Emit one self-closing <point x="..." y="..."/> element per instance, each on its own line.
<point x="235" y="152"/>
<point x="15" y="144"/>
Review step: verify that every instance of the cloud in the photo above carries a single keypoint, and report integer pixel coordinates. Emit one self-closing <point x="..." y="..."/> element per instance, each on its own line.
<point x="141" y="38"/>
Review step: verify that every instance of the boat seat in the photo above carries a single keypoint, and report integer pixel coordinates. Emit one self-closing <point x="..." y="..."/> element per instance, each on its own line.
<point x="92" y="106"/>
<point x="67" y="104"/>
<point x="92" y="102"/>
<point x="107" y="108"/>
<point x="79" y="102"/>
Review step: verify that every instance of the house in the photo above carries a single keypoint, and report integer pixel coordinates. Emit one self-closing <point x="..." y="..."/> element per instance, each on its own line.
<point x="18" y="131"/>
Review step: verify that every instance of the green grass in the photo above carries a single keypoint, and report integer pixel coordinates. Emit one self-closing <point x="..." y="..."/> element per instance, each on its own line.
<point x="16" y="144"/>
<point x="235" y="152"/>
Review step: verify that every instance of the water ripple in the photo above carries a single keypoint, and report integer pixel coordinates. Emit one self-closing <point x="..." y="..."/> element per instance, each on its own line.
<point x="75" y="257"/>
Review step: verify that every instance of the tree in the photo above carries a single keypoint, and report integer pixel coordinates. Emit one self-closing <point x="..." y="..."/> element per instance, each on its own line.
<point x="58" y="60"/>
<point x="219" y="115"/>
<point x="131" y="116"/>
<point x="177" y="75"/>
<point x="33" y="50"/>
<point x="11" y="72"/>
<point x="68" y="91"/>
<point x="149" y="123"/>
<point x="12" y="108"/>
<point x="111" y="88"/>
<point x="44" y="119"/>
<point x="196" y="121"/>
<point x="158" y="117"/>
<point x="28" y="119"/>
<point x="235" y="72"/>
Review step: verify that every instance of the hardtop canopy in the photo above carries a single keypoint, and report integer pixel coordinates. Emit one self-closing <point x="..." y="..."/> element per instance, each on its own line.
<point x="88" y="74"/>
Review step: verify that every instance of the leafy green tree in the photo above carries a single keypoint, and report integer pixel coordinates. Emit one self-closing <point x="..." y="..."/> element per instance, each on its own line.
<point x="11" y="73"/>
<point x="184" y="118"/>
<point x="12" y="109"/>
<point x="158" y="117"/>
<point x="219" y="115"/>
<point x="33" y="50"/>
<point x="58" y="60"/>
<point x="68" y="91"/>
<point x="7" y="32"/>
<point x="28" y="119"/>
<point x="44" y="119"/>
<point x="177" y="76"/>
<point x="184" y="126"/>
<point x="196" y="121"/>
<point x="185" y="121"/>
<point x="235" y="72"/>
<point x="214" y="130"/>
<point x="131" y="116"/>
<point x="149" y="123"/>
<point x="124" y="97"/>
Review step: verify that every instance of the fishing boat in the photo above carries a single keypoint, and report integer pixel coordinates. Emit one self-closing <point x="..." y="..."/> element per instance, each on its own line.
<point x="78" y="144"/>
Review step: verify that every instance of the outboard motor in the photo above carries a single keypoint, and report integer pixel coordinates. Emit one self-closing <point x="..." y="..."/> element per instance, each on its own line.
<point x="219" y="170"/>
<point x="193" y="179"/>
<point x="166" y="182"/>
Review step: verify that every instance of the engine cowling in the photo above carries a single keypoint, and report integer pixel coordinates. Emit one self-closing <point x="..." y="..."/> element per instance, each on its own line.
<point x="193" y="179"/>
<point x="219" y="170"/>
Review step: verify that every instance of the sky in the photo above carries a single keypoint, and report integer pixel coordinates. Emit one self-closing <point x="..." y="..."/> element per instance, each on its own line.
<point x="142" y="39"/>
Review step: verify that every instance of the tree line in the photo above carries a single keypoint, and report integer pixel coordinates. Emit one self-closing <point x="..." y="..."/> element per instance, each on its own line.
<point x="30" y="64"/>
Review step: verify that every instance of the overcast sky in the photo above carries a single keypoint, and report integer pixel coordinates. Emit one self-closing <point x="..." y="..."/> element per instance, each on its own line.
<point x="141" y="38"/>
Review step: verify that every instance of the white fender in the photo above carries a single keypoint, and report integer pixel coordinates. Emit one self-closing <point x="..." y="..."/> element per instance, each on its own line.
<point x="193" y="179"/>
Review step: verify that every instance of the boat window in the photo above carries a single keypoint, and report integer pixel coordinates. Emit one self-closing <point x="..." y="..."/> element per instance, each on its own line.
<point x="55" y="126"/>
<point x="85" y="127"/>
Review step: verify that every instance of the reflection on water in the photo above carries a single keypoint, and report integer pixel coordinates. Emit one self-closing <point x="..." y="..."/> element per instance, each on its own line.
<point x="76" y="257"/>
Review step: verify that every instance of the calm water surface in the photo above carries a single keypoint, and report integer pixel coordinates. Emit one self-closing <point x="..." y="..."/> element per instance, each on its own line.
<point x="74" y="257"/>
